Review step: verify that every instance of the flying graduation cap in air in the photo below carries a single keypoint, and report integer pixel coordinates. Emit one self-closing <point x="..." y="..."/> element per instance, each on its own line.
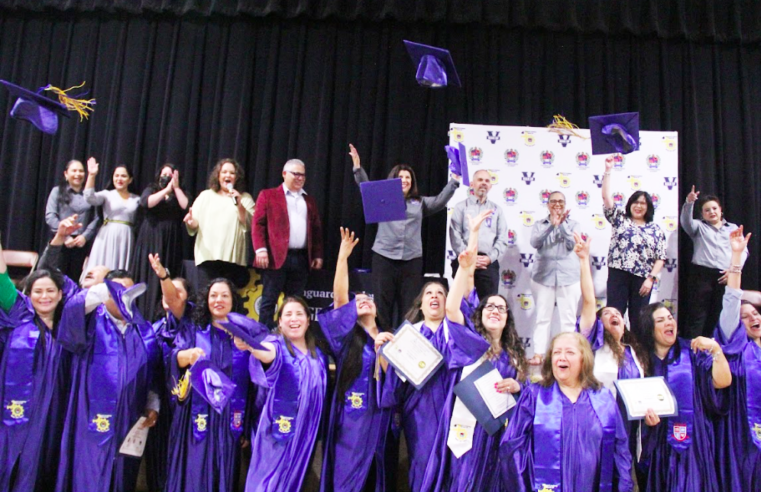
<point x="614" y="133"/>
<point x="435" y="67"/>
<point x="43" y="112"/>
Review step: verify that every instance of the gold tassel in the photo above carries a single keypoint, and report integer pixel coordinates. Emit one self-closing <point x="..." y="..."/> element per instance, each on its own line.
<point x="81" y="106"/>
<point x="561" y="125"/>
<point x="182" y="387"/>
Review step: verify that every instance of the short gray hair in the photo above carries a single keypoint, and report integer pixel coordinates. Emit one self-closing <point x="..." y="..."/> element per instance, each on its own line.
<point x="293" y="162"/>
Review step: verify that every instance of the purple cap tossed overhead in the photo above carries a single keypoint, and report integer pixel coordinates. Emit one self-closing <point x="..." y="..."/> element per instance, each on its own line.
<point x="211" y="384"/>
<point x="435" y="67"/>
<point x="37" y="109"/>
<point x="459" y="162"/>
<point x="613" y="133"/>
<point x="250" y="331"/>
<point x="383" y="201"/>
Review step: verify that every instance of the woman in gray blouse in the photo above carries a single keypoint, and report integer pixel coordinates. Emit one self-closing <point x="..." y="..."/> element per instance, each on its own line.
<point x="65" y="200"/>
<point x="398" y="248"/>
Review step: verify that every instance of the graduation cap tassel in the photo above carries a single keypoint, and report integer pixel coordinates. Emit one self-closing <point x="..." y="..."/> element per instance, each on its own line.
<point x="561" y="125"/>
<point x="182" y="387"/>
<point x="81" y="106"/>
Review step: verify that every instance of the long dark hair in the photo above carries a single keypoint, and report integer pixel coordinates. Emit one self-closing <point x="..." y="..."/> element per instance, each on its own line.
<point x="240" y="175"/>
<point x="413" y="193"/>
<point x="58" y="280"/>
<point x="309" y="336"/>
<point x="647" y="329"/>
<point x="628" y="338"/>
<point x="352" y="365"/>
<point x="415" y="313"/>
<point x="650" y="208"/>
<point x="157" y="186"/>
<point x="130" y="186"/>
<point x="202" y="315"/>
<point x="510" y="342"/>
<point x="64" y="195"/>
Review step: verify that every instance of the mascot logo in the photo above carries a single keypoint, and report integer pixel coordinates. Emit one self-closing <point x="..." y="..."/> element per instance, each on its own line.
<point x="528" y="138"/>
<point x="526" y="301"/>
<point x="582" y="199"/>
<point x="670" y="223"/>
<point x="599" y="221"/>
<point x="564" y="179"/>
<point x="598" y="303"/>
<point x="669" y="183"/>
<point x="597" y="180"/>
<point x="492" y="136"/>
<point x="656" y="201"/>
<point x="544" y="196"/>
<point x="582" y="160"/>
<point x="618" y="199"/>
<point x="547" y="158"/>
<point x="508" y="278"/>
<point x="527" y="218"/>
<point x="564" y="140"/>
<point x="653" y="162"/>
<point x="450" y="255"/>
<point x="598" y="262"/>
<point x="670" y="264"/>
<point x="511" y="157"/>
<point x="510" y="196"/>
<point x="527" y="259"/>
<point x="493" y="175"/>
<point x="528" y="177"/>
<point x="635" y="182"/>
<point x="457" y="134"/>
<point x="475" y="154"/>
<point x="618" y="162"/>
<point x="670" y="143"/>
<point x="252" y="294"/>
<point x="511" y="238"/>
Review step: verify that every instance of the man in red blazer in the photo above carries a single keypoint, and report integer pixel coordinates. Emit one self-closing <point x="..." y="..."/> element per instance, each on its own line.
<point x="287" y="237"/>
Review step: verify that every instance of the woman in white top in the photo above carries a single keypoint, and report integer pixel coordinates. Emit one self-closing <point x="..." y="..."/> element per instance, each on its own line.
<point x="112" y="247"/>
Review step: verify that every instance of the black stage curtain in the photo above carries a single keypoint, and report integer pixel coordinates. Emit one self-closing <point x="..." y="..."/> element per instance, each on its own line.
<point x="192" y="90"/>
<point x="716" y="20"/>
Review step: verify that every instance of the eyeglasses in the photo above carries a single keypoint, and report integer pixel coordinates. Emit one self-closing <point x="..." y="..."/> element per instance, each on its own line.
<point x="492" y="307"/>
<point x="557" y="202"/>
<point x="298" y="175"/>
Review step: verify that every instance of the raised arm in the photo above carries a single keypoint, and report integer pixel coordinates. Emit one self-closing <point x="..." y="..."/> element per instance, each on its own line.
<point x="360" y="176"/>
<point x="50" y="258"/>
<point x="588" y="301"/>
<point x="433" y="204"/>
<point x="171" y="297"/>
<point x="730" y="312"/>
<point x="689" y="224"/>
<point x="341" y="280"/>
<point x="92" y="171"/>
<point x="464" y="277"/>
<point x="607" y="199"/>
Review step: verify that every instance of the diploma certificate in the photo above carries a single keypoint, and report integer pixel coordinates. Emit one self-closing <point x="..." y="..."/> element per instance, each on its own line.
<point x="498" y="403"/>
<point x="643" y="393"/>
<point x="412" y="355"/>
<point x="134" y="443"/>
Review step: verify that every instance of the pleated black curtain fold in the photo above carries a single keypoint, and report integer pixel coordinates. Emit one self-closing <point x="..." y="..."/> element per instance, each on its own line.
<point x="265" y="81"/>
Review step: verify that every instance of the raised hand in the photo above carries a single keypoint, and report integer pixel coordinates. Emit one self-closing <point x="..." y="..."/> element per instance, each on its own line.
<point x="189" y="220"/>
<point x="475" y="223"/>
<point x="608" y="164"/>
<point x="692" y="196"/>
<point x="354" y="156"/>
<point x="157" y="266"/>
<point x="68" y="226"/>
<point x="737" y="241"/>
<point x="175" y="180"/>
<point x="92" y="166"/>
<point x="581" y="248"/>
<point x="557" y="219"/>
<point x="347" y="243"/>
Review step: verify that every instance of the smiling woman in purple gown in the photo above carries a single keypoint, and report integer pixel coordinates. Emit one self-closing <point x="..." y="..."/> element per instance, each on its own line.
<point x="294" y="372"/>
<point x="567" y="433"/>
<point x="350" y="327"/>
<point x="34" y="375"/>
<point x="677" y="452"/>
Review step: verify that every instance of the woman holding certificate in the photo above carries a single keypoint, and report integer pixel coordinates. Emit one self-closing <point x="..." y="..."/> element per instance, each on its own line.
<point x="738" y="435"/>
<point x="351" y="330"/>
<point x="470" y="453"/>
<point x="677" y="452"/>
<point x="567" y="432"/>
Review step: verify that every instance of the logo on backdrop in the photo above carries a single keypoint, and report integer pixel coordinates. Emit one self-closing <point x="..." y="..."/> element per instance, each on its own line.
<point x="526" y="301"/>
<point x="670" y="143"/>
<point x="582" y="199"/>
<point x="564" y="140"/>
<point x="599" y="221"/>
<point x="528" y="138"/>
<point x="599" y="261"/>
<point x="598" y="303"/>
<point x="564" y="179"/>
<point x="669" y="183"/>
<point x="492" y="136"/>
<point x="544" y="196"/>
<point x="635" y="182"/>
<point x="653" y="162"/>
<point x="527" y="218"/>
<point x="618" y="199"/>
<point x="547" y="158"/>
<point x="527" y="259"/>
<point x="582" y="160"/>
<point x="597" y="180"/>
<point x="618" y="162"/>
<point x="494" y="175"/>
<point x="450" y="255"/>
<point x="510" y="196"/>
<point x="511" y="238"/>
<point x="511" y="157"/>
<point x="669" y="303"/>
<point x="670" y="223"/>
<point x="508" y="278"/>
<point x="656" y="201"/>
<point x="475" y="154"/>
<point x="457" y="134"/>
<point x="670" y="264"/>
<point x="528" y="177"/>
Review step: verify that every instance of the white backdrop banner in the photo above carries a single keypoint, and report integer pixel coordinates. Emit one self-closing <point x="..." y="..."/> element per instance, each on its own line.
<point x="527" y="164"/>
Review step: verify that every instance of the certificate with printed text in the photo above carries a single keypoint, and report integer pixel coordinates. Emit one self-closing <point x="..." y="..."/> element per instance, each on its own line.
<point x="643" y="393"/>
<point x="412" y="355"/>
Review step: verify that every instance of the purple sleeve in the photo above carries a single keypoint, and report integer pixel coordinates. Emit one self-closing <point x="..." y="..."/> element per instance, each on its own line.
<point x="21" y="311"/>
<point x="516" y="450"/>
<point x="465" y="346"/>
<point x="469" y="304"/>
<point x="262" y="377"/>
<point x="715" y="401"/>
<point x="182" y="341"/>
<point x="623" y="457"/>
<point x="390" y="389"/>
<point x="74" y="332"/>
<point x="337" y="325"/>
<point x="596" y="337"/>
<point x="735" y="344"/>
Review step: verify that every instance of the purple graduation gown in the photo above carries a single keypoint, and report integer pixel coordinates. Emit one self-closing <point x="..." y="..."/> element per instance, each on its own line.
<point x="692" y="469"/>
<point x="580" y="450"/>
<point x="111" y="376"/>
<point x="738" y="458"/>
<point x="347" y="460"/>
<point x="281" y="449"/>
<point x="204" y="446"/>
<point x="426" y="412"/>
<point x="30" y="436"/>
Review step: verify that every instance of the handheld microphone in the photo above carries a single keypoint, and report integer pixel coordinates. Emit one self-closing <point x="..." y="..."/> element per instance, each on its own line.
<point x="230" y="190"/>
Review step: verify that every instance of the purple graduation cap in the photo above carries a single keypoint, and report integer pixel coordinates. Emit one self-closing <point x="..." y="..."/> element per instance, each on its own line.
<point x="125" y="297"/>
<point x="383" y="201"/>
<point x="613" y="133"/>
<point x="211" y="384"/>
<point x="250" y="331"/>
<point x="37" y="109"/>
<point x="459" y="162"/>
<point x="435" y="67"/>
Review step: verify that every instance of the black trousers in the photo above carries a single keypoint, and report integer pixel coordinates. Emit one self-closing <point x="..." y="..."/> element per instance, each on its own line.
<point x="71" y="260"/>
<point x="209" y="270"/>
<point x="290" y="279"/>
<point x="703" y="305"/>
<point x="485" y="281"/>
<point x="396" y="283"/>
<point x="623" y="293"/>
